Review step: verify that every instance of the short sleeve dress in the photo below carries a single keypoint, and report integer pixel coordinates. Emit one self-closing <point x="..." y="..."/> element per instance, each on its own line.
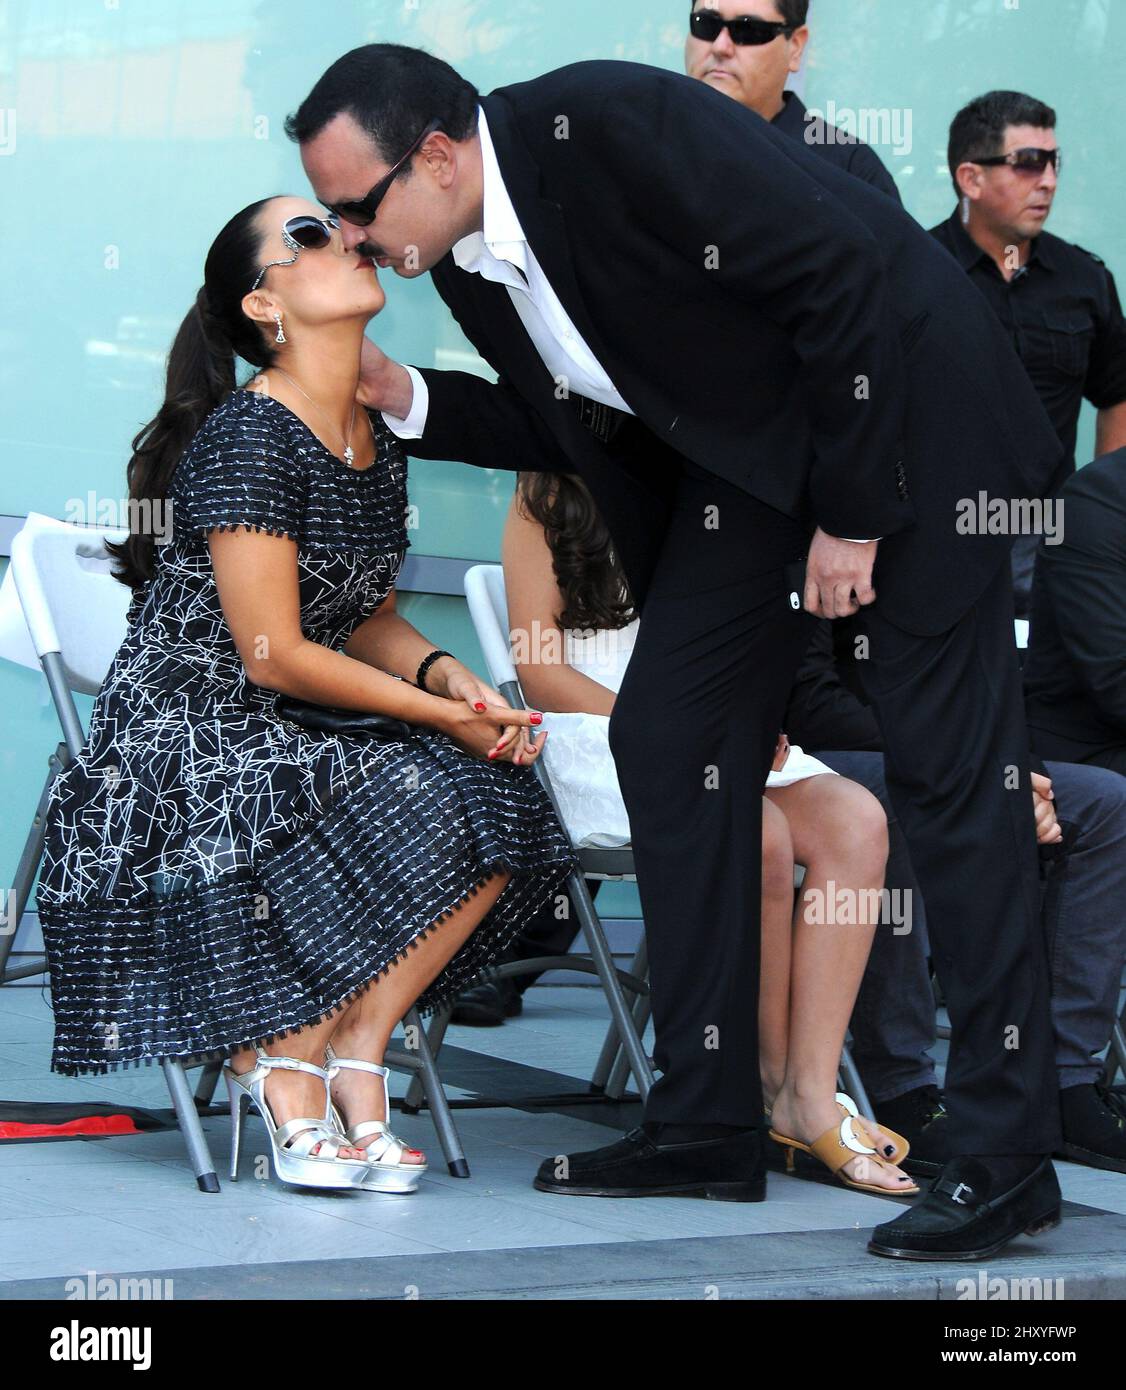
<point x="215" y="874"/>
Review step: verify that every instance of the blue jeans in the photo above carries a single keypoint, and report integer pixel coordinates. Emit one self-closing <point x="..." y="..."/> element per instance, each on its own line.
<point x="1084" y="919"/>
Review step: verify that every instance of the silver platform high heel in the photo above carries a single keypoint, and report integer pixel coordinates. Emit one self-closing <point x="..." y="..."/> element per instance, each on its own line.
<point x="291" y="1144"/>
<point x="386" y="1172"/>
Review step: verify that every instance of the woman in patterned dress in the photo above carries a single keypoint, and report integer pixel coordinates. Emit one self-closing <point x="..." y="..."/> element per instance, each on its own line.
<point x="217" y="877"/>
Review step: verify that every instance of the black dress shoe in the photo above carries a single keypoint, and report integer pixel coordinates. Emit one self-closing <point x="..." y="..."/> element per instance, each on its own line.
<point x="920" y="1116"/>
<point x="487" y="1004"/>
<point x="730" y="1169"/>
<point x="1094" y="1126"/>
<point x="962" y="1218"/>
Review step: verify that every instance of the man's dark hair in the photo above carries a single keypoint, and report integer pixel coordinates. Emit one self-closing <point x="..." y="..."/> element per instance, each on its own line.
<point x="978" y="130"/>
<point x="793" y="12"/>
<point x="392" y="92"/>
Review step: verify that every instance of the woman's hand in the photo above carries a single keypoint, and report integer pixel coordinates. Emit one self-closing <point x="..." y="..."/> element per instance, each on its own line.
<point x="482" y="711"/>
<point x="781" y="753"/>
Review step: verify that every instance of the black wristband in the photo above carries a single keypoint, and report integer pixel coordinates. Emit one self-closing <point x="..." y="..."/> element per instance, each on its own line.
<point x="425" y="664"/>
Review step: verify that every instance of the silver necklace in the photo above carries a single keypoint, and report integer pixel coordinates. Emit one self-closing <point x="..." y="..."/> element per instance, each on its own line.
<point x="349" y="453"/>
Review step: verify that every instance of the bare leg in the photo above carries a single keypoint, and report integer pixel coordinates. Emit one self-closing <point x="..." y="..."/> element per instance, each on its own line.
<point x="777" y="947"/>
<point x="364" y="1028"/>
<point x="839" y="832"/>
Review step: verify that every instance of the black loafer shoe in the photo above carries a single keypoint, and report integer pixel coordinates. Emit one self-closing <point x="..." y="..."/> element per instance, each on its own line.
<point x="725" y="1170"/>
<point x="961" y="1218"/>
<point x="487" y="1005"/>
<point x="1094" y="1126"/>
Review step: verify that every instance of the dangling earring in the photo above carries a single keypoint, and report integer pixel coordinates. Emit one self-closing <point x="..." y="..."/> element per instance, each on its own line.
<point x="965" y="210"/>
<point x="280" y="338"/>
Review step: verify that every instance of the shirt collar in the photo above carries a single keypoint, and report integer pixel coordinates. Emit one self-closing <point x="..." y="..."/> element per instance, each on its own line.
<point x="969" y="253"/>
<point x="791" y="119"/>
<point x="501" y="233"/>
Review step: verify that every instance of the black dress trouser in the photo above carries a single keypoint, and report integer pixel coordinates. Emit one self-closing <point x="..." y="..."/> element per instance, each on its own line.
<point x="693" y="732"/>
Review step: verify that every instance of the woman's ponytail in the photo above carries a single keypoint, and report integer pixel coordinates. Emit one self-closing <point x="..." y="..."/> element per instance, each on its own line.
<point x="201" y="374"/>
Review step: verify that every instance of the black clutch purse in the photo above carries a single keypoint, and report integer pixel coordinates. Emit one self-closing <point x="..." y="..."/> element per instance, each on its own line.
<point x="328" y="719"/>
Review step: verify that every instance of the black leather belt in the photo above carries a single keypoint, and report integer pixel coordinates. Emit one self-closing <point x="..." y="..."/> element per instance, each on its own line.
<point x="603" y="421"/>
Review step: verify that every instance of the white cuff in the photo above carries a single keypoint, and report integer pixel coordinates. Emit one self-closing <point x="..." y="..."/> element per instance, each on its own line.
<point x="857" y="541"/>
<point x="414" y="423"/>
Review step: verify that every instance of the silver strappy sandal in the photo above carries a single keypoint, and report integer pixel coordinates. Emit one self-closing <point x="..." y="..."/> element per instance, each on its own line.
<point x="386" y="1172"/>
<point x="291" y="1144"/>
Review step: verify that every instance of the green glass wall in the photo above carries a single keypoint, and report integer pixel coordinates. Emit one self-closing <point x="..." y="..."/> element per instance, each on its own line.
<point x="130" y="130"/>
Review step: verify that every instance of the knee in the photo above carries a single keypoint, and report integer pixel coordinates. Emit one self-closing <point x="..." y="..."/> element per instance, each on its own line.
<point x="859" y="829"/>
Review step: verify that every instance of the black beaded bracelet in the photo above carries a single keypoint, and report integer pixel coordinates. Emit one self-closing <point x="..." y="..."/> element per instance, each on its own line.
<point x="425" y="664"/>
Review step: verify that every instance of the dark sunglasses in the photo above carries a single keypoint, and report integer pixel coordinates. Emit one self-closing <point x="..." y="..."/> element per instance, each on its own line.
<point x="707" y="25"/>
<point x="1029" y="160"/>
<point x="361" y="211"/>
<point x="302" y="233"/>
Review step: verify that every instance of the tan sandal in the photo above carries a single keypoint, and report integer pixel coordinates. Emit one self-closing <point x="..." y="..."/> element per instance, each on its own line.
<point x="902" y="1147"/>
<point x="842" y="1143"/>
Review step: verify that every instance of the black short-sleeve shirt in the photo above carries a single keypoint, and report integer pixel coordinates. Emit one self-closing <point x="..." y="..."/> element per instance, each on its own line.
<point x="1063" y="316"/>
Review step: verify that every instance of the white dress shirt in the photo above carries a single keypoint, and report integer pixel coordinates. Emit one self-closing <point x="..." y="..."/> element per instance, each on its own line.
<point x="501" y="252"/>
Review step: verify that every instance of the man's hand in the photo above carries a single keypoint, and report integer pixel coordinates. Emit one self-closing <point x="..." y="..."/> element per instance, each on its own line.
<point x="384" y="384"/>
<point x="838" y="576"/>
<point x="1048" y="829"/>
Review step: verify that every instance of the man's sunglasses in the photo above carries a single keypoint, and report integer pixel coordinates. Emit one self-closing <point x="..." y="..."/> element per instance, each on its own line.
<point x="1029" y="160"/>
<point x="302" y="233"/>
<point x="361" y="211"/>
<point x="708" y="25"/>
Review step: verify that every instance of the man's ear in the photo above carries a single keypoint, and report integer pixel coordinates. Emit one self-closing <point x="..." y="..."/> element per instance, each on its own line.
<point x="969" y="177"/>
<point x="798" y="40"/>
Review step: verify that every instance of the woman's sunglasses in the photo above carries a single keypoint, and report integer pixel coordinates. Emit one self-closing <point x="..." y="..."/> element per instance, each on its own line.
<point x="360" y="212"/>
<point x="1029" y="160"/>
<point x="303" y="233"/>
<point x="707" y="25"/>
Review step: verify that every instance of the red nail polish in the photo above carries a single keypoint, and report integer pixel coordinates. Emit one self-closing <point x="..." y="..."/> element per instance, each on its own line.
<point x="492" y="755"/>
<point x="480" y="705"/>
<point x="537" y="718"/>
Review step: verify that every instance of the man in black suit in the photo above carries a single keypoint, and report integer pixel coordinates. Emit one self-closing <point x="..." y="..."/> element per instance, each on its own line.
<point x="749" y="61"/>
<point x="1075" y="670"/>
<point x="748" y="355"/>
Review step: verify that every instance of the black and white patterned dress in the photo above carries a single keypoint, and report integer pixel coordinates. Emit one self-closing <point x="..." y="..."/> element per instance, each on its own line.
<point x="215" y="874"/>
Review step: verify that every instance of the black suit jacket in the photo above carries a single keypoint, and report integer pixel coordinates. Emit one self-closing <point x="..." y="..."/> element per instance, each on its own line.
<point x="783" y="324"/>
<point x="1075" y="669"/>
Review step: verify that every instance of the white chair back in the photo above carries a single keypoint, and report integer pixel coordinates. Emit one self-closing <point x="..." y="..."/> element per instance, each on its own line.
<point x="71" y="602"/>
<point x="488" y="611"/>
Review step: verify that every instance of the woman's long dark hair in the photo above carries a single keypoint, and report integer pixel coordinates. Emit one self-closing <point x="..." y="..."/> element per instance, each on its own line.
<point x="590" y="578"/>
<point x="201" y="374"/>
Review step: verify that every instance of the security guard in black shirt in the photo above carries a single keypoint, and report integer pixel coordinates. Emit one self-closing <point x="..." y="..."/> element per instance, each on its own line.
<point x="1058" y="302"/>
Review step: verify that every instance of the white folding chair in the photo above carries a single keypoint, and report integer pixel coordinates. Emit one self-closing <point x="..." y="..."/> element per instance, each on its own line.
<point x="74" y="610"/>
<point x="488" y="610"/>
<point x="75" y="614"/>
<point x="622" y="1053"/>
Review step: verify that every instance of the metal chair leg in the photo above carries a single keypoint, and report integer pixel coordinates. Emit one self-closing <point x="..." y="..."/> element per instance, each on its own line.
<point x="26" y="870"/>
<point x="620" y="1014"/>
<point x="619" y="1077"/>
<point x="208" y="1080"/>
<point x="198" y="1153"/>
<point x="612" y="1046"/>
<point x="851" y="1082"/>
<point x="416" y="1091"/>
<point x="435" y="1096"/>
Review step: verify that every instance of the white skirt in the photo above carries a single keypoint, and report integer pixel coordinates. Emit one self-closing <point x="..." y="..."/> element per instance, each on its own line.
<point x="581" y="767"/>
